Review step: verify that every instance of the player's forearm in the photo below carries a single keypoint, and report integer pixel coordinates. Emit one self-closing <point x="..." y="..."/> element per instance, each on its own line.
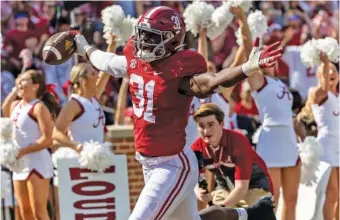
<point x="99" y="59"/>
<point x="228" y="77"/>
<point x="205" y="84"/>
<point x="234" y="197"/>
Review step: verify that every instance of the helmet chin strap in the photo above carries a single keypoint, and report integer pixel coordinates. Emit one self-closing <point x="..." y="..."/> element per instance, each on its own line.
<point x="146" y="55"/>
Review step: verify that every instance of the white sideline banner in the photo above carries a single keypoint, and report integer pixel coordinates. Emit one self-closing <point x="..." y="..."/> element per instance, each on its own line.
<point x="88" y="195"/>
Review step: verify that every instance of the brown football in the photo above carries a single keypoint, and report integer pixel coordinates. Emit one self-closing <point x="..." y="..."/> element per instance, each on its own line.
<point x="58" y="48"/>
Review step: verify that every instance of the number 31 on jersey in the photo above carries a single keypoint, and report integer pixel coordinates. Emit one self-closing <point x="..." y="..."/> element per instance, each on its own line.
<point x="149" y="88"/>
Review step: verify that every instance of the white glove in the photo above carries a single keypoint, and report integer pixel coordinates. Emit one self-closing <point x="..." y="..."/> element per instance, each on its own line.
<point x="261" y="59"/>
<point x="82" y="45"/>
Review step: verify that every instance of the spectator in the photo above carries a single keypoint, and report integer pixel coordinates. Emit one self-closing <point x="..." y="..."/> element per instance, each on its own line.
<point x="242" y="123"/>
<point x="241" y="174"/>
<point x="15" y="39"/>
<point x="59" y="74"/>
<point x="7" y="80"/>
<point x="247" y="105"/>
<point x="224" y="46"/>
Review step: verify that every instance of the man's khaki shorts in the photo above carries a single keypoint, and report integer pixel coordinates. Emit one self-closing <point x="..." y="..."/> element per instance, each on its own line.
<point x="251" y="198"/>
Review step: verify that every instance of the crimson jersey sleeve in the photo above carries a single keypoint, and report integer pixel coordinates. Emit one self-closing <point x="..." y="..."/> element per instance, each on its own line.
<point x="187" y="63"/>
<point x="128" y="48"/>
<point x="242" y="153"/>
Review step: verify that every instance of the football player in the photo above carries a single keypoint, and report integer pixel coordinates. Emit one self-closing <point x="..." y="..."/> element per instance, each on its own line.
<point x="163" y="80"/>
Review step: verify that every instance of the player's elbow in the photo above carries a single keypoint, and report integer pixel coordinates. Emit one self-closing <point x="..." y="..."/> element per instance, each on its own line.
<point x="204" y="91"/>
<point x="203" y="87"/>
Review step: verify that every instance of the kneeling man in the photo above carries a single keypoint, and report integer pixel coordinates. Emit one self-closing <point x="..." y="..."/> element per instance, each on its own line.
<point x="241" y="175"/>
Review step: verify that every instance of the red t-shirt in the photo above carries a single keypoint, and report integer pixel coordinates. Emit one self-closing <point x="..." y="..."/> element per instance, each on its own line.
<point x="242" y="110"/>
<point x="17" y="39"/>
<point x="234" y="160"/>
<point x="160" y="111"/>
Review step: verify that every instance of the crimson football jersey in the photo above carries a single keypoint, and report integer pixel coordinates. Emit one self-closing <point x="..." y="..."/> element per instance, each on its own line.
<point x="160" y="112"/>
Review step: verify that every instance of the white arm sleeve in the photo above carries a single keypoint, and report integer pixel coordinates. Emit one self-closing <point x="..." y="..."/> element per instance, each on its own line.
<point x="109" y="63"/>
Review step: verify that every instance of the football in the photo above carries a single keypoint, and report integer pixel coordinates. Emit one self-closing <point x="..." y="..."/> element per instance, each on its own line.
<point x="58" y="48"/>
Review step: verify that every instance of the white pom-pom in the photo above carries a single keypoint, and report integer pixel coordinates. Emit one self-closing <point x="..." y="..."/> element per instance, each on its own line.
<point x="213" y="31"/>
<point x="222" y="17"/>
<point x="310" y="151"/>
<point x="127" y="28"/>
<point x="96" y="156"/>
<point x="5" y="183"/>
<point x="258" y="25"/>
<point x="310" y="54"/>
<point x="63" y="152"/>
<point x="113" y="17"/>
<point x="256" y="135"/>
<point x="9" y="151"/>
<point x="244" y="4"/>
<point x="6" y="129"/>
<point x="198" y="16"/>
<point x="330" y="47"/>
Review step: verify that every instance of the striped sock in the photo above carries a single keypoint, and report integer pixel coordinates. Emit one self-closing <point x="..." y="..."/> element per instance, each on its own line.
<point x="242" y="214"/>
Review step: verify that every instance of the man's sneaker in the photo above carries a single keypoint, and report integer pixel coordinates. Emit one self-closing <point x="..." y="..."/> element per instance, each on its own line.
<point x="262" y="209"/>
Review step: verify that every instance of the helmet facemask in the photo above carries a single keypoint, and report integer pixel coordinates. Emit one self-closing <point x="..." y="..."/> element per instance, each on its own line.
<point x="150" y="43"/>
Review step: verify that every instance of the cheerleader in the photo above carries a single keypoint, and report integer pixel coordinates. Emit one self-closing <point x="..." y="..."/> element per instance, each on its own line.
<point x="277" y="141"/>
<point x="82" y="118"/>
<point x="32" y="116"/>
<point x="323" y="104"/>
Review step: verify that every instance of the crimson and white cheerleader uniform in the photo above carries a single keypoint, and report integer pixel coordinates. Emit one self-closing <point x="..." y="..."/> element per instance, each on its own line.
<point x="326" y="116"/>
<point x="277" y="141"/>
<point x="87" y="125"/>
<point x="27" y="132"/>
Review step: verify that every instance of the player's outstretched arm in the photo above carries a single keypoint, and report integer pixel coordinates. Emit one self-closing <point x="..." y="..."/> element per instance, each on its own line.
<point x="107" y="62"/>
<point x="205" y="84"/>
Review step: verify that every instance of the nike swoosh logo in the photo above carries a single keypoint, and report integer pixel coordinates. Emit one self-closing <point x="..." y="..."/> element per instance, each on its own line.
<point x="156" y="74"/>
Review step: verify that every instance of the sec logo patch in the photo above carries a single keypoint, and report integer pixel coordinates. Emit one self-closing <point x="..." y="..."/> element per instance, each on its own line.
<point x="133" y="63"/>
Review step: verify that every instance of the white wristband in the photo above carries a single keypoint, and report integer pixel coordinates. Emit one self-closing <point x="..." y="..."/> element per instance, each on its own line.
<point x="245" y="69"/>
<point x="248" y="70"/>
<point x="87" y="48"/>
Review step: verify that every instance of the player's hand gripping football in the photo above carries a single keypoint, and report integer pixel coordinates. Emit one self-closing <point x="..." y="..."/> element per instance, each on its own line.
<point x="82" y="44"/>
<point x="261" y="59"/>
